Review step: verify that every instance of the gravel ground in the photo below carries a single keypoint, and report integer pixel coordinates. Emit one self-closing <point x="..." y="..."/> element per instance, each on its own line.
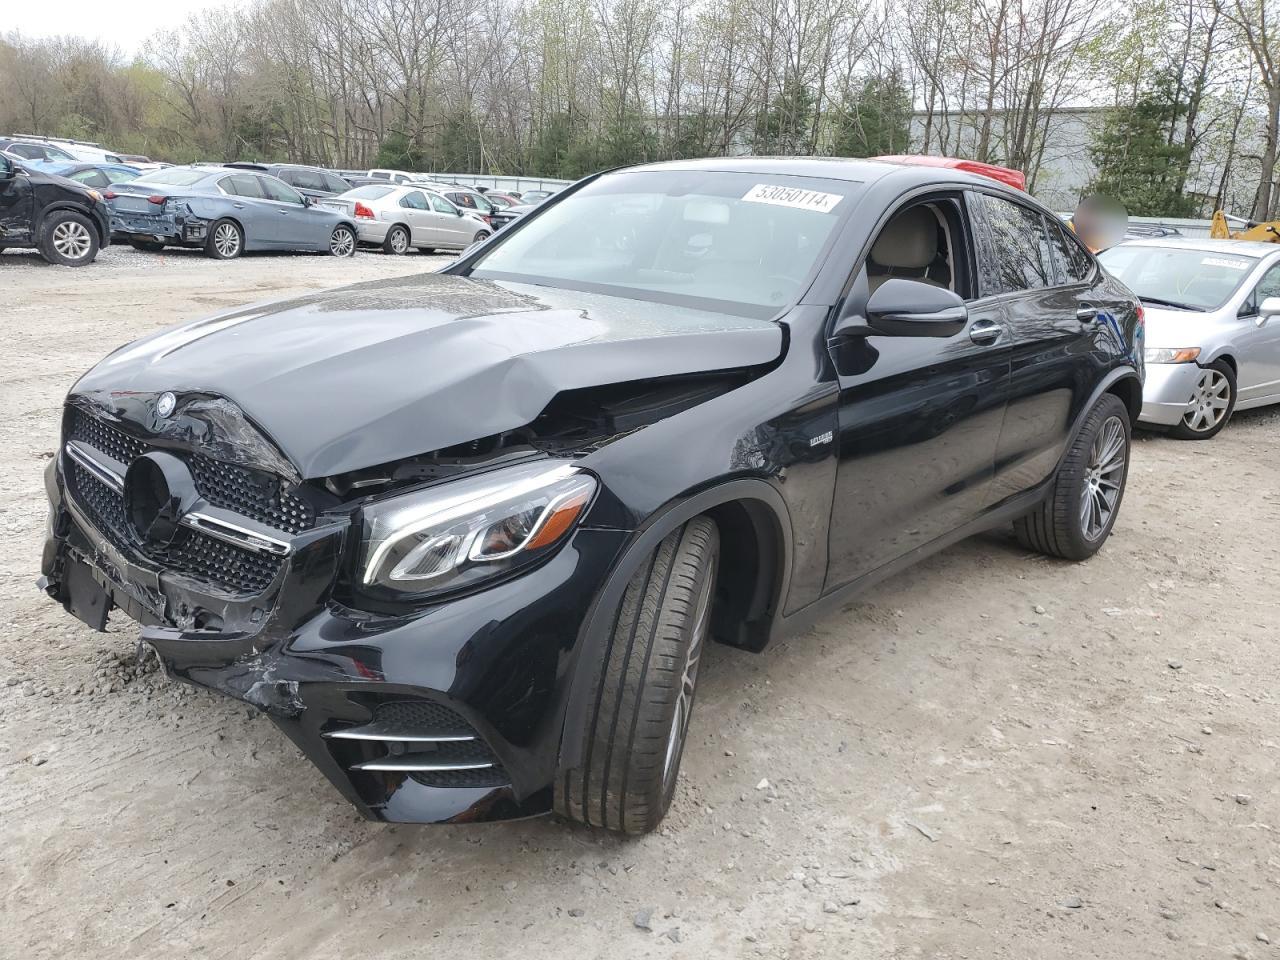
<point x="993" y="755"/>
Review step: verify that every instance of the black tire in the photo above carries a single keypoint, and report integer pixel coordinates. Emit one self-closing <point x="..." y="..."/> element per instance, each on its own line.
<point x="396" y="241"/>
<point x="427" y="250"/>
<point x="480" y="237"/>
<point x="147" y="246"/>
<point x="68" y="239"/>
<point x="1059" y="526"/>
<point x="642" y="696"/>
<point x="225" y="240"/>
<point x="343" y="241"/>
<point x="1215" y="380"/>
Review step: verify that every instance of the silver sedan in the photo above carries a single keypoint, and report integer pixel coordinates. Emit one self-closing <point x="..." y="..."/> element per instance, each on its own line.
<point x="1212" y="328"/>
<point x="400" y="218"/>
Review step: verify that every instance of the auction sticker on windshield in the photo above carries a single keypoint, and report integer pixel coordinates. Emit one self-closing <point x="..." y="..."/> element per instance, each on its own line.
<point x="792" y="197"/>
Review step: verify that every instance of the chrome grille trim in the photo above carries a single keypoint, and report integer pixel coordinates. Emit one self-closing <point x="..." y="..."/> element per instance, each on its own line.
<point x="418" y="763"/>
<point x="81" y="454"/>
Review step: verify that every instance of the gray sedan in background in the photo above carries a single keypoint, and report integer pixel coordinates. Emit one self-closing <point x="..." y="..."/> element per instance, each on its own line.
<point x="400" y="218"/>
<point x="225" y="212"/>
<point x="1212" y="328"/>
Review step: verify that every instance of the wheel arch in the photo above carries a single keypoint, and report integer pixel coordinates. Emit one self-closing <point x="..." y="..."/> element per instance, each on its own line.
<point x="57" y="207"/>
<point x="1129" y="390"/>
<point x="1227" y="357"/>
<point x="751" y="584"/>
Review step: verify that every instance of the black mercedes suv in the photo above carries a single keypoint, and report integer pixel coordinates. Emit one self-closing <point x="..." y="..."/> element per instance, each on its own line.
<point x="66" y="221"/>
<point x="464" y="535"/>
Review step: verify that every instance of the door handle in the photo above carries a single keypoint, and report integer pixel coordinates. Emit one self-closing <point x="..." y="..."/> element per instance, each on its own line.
<point x="1086" y="313"/>
<point x="238" y="206"/>
<point x="984" y="331"/>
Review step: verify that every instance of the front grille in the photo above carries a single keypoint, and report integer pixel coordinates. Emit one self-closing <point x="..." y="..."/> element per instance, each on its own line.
<point x="191" y="553"/>
<point x="249" y="493"/>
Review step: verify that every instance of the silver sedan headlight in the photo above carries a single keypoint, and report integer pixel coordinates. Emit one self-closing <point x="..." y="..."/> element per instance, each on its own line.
<point x="461" y="533"/>
<point x="1171" y="354"/>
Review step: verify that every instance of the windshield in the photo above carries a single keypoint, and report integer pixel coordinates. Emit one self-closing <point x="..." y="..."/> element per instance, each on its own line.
<point x="370" y="192"/>
<point x="741" y="243"/>
<point x="1178" y="277"/>
<point x="176" y="176"/>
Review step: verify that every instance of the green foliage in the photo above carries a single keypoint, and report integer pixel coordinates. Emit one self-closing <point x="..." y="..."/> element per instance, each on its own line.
<point x="875" y="120"/>
<point x="1135" y="160"/>
<point x="785" y="127"/>
<point x="398" y="152"/>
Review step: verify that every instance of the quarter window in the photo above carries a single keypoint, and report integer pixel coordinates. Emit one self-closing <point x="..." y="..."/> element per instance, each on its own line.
<point x="1019" y="258"/>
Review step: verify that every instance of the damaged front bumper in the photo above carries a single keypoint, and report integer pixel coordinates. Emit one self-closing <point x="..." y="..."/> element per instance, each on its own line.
<point x="450" y="713"/>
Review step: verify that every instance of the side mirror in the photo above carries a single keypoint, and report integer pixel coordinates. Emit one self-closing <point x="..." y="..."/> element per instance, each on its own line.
<point x="908" y="308"/>
<point x="306" y="201"/>
<point x="458" y="211"/>
<point x="1269" y="308"/>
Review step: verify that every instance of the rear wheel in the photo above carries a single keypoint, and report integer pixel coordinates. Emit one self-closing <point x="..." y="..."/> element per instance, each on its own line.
<point x="342" y="242"/>
<point x="397" y="241"/>
<point x="225" y="241"/>
<point x="1075" y="519"/>
<point x="1212" y="402"/>
<point x="642" y="697"/>
<point x="68" y="238"/>
<point x="147" y="246"/>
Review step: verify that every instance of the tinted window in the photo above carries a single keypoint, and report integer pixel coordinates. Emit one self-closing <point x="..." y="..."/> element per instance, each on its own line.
<point x="1020" y="258"/>
<point x="441" y="205"/>
<point x="336" y="184"/>
<point x="91" y="178"/>
<point x="276" y="190"/>
<point x="242" y="185"/>
<point x="462" y="199"/>
<point x="28" y="151"/>
<point x="1072" y="264"/>
<point x="306" y="179"/>
<point x="414" y="201"/>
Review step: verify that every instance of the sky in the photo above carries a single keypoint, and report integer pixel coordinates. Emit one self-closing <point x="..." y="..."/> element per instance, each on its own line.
<point x="124" y="25"/>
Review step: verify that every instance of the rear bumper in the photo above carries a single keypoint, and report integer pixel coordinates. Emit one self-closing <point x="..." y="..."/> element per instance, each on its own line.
<point x="1167" y="391"/>
<point x="479" y="684"/>
<point x="372" y="231"/>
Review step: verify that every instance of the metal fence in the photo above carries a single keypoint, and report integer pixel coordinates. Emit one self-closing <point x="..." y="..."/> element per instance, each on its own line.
<point x="519" y="184"/>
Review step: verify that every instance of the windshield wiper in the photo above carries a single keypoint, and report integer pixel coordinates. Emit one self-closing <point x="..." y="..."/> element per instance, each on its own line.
<point x="1160" y="302"/>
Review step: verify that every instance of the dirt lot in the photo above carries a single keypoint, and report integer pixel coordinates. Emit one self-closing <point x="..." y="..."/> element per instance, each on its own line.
<point x="994" y="755"/>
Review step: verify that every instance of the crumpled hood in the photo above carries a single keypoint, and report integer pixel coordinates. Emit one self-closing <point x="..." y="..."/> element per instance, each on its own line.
<point x="367" y="374"/>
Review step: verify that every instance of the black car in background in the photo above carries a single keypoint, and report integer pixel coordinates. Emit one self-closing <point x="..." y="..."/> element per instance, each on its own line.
<point x="464" y="535"/>
<point x="311" y="182"/>
<point x="66" y="221"/>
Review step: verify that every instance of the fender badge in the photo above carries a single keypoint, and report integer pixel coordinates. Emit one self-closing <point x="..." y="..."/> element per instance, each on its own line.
<point x="822" y="438"/>
<point x="165" y="404"/>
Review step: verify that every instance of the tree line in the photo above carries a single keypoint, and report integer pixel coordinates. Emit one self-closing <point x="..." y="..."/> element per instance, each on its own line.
<point x="1183" y="95"/>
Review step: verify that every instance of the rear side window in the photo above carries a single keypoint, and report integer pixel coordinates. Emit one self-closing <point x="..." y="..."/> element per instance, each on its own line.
<point x="242" y="185"/>
<point x="91" y="178"/>
<point x="463" y="200"/>
<point x="336" y="184"/>
<point x="305" y="179"/>
<point x="414" y="201"/>
<point x="1019" y="257"/>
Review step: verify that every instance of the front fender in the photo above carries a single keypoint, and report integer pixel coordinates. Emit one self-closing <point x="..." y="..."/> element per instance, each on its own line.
<point x="767" y="504"/>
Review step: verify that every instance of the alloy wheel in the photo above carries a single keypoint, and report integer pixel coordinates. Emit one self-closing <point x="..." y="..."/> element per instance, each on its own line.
<point x="226" y="240"/>
<point x="1102" y="478"/>
<point x="688" y="679"/>
<point x="399" y="241"/>
<point x="72" y="240"/>
<point x="342" y="243"/>
<point x="1209" y="402"/>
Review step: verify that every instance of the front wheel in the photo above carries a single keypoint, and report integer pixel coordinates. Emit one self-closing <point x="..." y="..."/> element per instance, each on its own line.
<point x="1212" y="402"/>
<point x="68" y="238"/>
<point x="1075" y="519"/>
<point x="342" y="243"/>
<point x="642" y="696"/>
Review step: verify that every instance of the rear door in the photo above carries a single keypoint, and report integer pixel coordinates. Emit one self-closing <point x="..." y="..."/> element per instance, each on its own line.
<point x="919" y="416"/>
<point x="1060" y="335"/>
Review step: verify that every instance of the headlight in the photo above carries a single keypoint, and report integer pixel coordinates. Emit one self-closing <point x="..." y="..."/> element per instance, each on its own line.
<point x="95" y="196"/>
<point x="463" y="532"/>
<point x="1171" y="354"/>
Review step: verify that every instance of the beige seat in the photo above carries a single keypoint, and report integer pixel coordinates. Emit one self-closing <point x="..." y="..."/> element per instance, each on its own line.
<point x="905" y="248"/>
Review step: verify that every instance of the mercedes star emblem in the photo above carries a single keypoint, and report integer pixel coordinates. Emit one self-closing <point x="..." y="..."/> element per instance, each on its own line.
<point x="165" y="404"/>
